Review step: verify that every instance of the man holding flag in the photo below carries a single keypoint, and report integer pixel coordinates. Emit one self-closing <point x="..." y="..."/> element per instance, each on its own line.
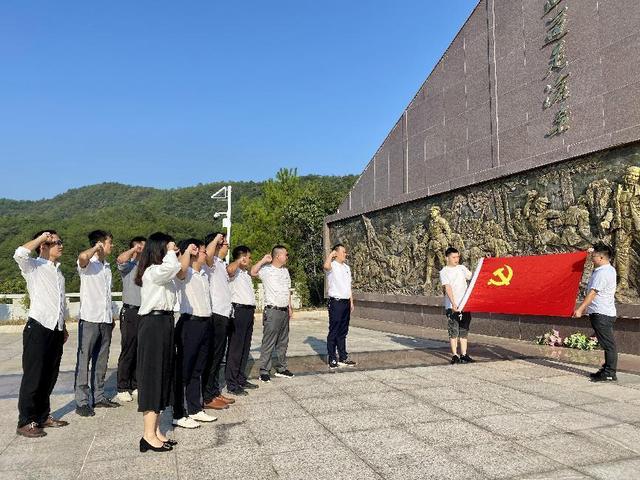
<point x="453" y="278"/>
<point x="600" y="305"/>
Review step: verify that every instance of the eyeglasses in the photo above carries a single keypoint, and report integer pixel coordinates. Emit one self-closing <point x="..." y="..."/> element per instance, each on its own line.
<point x="56" y="242"/>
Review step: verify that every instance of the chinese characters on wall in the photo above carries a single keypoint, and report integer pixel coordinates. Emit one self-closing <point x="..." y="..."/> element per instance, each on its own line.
<point x="557" y="89"/>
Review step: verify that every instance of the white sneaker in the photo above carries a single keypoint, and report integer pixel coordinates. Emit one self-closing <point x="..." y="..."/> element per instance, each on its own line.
<point x="202" y="416"/>
<point x="186" y="422"/>
<point x="124" y="397"/>
<point x="135" y="393"/>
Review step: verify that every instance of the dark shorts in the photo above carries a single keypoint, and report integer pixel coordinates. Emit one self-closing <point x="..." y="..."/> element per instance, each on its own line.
<point x="458" y="323"/>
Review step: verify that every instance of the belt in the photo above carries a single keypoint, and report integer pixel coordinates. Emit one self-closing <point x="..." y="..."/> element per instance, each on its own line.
<point x="241" y="305"/>
<point x="188" y="316"/>
<point x="273" y="307"/>
<point x="335" y="299"/>
<point x="126" y="305"/>
<point x="160" y="312"/>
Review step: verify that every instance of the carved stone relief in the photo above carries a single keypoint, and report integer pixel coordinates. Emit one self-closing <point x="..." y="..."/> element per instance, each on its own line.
<point x="557" y="208"/>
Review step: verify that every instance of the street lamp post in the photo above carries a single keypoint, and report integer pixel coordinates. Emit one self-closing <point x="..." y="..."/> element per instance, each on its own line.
<point x="225" y="194"/>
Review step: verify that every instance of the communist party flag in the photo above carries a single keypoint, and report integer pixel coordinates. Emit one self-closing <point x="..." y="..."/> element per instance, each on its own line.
<point x="532" y="285"/>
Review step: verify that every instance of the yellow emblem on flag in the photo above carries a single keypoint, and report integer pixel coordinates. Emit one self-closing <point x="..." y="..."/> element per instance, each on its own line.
<point x="501" y="279"/>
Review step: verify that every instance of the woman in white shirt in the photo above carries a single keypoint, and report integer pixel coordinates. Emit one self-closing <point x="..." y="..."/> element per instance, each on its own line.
<point x="157" y="269"/>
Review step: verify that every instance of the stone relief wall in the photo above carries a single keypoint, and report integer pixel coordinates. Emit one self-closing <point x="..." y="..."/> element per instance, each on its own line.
<point x="557" y="208"/>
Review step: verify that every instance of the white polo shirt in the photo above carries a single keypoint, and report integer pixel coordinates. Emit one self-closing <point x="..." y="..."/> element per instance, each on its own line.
<point x="603" y="281"/>
<point x="95" y="292"/>
<point x="193" y="293"/>
<point x="219" y="288"/>
<point x="339" y="280"/>
<point x="242" y="288"/>
<point x="158" y="291"/>
<point x="457" y="277"/>
<point x="277" y="285"/>
<point x="45" y="284"/>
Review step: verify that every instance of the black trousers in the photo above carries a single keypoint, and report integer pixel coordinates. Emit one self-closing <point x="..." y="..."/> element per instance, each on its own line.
<point x="240" y="332"/>
<point x="129" y="322"/>
<point x="339" y="316"/>
<point x="192" y="348"/>
<point x="603" y="326"/>
<point x="41" y="354"/>
<point x="218" y="332"/>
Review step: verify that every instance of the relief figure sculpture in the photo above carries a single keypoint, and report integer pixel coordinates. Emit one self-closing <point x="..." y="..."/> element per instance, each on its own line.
<point x="439" y="234"/>
<point x="626" y="222"/>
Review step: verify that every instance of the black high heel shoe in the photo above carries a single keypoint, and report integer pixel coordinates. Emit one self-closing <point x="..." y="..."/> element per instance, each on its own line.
<point x="171" y="443"/>
<point x="146" y="446"/>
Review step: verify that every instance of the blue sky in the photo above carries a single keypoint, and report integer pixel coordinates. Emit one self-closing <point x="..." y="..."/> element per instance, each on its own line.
<point x="168" y="94"/>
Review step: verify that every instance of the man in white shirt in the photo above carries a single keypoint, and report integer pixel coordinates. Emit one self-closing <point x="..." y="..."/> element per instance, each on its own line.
<point x="129" y="320"/>
<point x="243" y="299"/>
<point x="191" y="335"/>
<point x="217" y="247"/>
<point x="453" y="278"/>
<point x="95" y="325"/>
<point x="43" y="335"/>
<point x="600" y="304"/>
<point x="277" y="311"/>
<point x="340" y="306"/>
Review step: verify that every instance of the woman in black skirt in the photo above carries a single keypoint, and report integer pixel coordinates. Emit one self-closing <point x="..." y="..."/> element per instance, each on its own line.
<point x="157" y="269"/>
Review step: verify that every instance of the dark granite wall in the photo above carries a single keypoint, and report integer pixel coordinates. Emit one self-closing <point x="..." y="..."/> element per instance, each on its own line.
<point x="480" y="115"/>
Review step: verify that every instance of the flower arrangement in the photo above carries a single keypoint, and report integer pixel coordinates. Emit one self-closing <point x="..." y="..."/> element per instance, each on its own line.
<point x="576" y="340"/>
<point x="551" y="338"/>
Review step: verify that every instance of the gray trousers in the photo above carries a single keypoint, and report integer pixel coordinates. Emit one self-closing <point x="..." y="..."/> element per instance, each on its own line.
<point x="94" y="340"/>
<point x="275" y="336"/>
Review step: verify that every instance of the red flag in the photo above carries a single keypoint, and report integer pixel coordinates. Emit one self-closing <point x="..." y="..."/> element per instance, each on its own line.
<point x="534" y="285"/>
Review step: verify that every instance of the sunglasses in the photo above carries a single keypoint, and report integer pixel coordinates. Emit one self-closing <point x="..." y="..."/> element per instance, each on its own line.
<point x="56" y="242"/>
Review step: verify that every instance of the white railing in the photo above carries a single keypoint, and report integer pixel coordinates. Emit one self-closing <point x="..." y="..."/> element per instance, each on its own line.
<point x="17" y="310"/>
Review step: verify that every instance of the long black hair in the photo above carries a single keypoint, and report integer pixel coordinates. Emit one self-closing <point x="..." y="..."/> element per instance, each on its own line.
<point x="154" y="251"/>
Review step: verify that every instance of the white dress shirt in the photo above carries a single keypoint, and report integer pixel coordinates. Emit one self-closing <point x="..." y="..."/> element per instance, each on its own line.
<point x="339" y="280"/>
<point x="277" y="285"/>
<point x="603" y="281"/>
<point x="242" y="288"/>
<point x="130" y="291"/>
<point x="193" y="293"/>
<point x="219" y="286"/>
<point x="95" y="292"/>
<point x="158" y="291"/>
<point x="45" y="284"/>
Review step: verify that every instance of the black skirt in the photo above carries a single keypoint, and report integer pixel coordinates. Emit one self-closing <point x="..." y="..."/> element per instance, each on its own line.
<point x="154" y="368"/>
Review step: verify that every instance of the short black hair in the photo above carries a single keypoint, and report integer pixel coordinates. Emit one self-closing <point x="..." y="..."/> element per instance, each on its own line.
<point x="210" y="236"/>
<point x="135" y="240"/>
<point x="98" y="236"/>
<point x="604" y="250"/>
<point x="239" y="251"/>
<point x="275" y="248"/>
<point x="51" y="231"/>
<point x="337" y="246"/>
<point x="450" y="250"/>
<point x="184" y="244"/>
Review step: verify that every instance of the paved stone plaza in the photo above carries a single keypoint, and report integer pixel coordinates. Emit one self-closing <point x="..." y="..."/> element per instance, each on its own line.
<point x="520" y="412"/>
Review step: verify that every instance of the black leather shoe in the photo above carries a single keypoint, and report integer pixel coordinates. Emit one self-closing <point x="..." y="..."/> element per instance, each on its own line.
<point x="146" y="446"/>
<point x="250" y="386"/>
<point x="106" y="403"/>
<point x="85" y="411"/>
<point x="240" y="392"/>
<point x="171" y="442"/>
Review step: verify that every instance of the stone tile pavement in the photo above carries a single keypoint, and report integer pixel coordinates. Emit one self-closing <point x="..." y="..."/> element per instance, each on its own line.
<point x="523" y="417"/>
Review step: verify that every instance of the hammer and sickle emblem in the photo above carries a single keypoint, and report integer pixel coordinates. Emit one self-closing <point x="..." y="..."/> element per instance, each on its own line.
<point x="500" y="278"/>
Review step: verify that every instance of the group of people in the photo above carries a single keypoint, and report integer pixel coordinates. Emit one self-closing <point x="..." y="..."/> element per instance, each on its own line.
<point x="599" y="304"/>
<point x="169" y="363"/>
<point x="163" y="362"/>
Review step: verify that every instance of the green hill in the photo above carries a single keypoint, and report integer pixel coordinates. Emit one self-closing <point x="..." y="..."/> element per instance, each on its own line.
<point x="127" y="211"/>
